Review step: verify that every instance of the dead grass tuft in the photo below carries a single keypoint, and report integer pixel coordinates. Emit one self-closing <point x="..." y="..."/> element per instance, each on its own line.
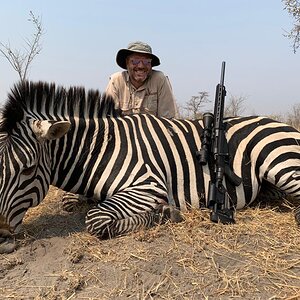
<point x="256" y="258"/>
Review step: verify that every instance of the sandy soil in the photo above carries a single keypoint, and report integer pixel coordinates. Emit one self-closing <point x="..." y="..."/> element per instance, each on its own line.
<point x="257" y="258"/>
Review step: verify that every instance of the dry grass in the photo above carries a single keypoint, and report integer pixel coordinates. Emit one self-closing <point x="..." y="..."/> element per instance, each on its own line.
<point x="257" y="258"/>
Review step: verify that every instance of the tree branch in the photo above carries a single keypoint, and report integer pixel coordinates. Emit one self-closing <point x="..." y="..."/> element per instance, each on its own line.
<point x="21" y="61"/>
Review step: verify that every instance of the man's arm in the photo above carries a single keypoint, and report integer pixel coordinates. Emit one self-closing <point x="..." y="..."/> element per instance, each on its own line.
<point x="166" y="101"/>
<point x="112" y="91"/>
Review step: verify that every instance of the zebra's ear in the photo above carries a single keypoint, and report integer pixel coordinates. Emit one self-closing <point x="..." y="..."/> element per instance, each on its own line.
<point x="50" y="130"/>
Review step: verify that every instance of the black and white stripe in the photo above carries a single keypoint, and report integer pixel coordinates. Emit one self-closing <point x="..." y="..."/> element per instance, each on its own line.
<point x="135" y="167"/>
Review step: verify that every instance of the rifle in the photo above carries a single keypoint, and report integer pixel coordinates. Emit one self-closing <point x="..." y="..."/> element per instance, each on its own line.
<point x="214" y="152"/>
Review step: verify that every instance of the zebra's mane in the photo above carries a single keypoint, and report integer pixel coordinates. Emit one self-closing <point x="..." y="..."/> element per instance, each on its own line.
<point x="45" y="100"/>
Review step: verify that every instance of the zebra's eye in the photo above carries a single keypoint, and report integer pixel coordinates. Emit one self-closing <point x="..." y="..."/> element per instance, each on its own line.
<point x="28" y="171"/>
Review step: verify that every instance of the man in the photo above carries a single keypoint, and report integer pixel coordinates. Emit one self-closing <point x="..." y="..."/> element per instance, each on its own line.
<point x="140" y="89"/>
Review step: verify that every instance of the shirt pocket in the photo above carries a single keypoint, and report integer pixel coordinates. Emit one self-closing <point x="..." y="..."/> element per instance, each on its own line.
<point x="150" y="104"/>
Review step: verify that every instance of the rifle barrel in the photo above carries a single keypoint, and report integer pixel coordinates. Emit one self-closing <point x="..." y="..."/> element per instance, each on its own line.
<point x="222" y="73"/>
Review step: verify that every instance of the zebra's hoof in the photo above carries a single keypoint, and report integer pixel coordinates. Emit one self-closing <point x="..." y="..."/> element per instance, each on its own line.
<point x="168" y="212"/>
<point x="7" y="242"/>
<point x="173" y="214"/>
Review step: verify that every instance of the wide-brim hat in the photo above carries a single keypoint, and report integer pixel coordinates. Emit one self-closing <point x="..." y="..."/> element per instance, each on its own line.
<point x="136" y="47"/>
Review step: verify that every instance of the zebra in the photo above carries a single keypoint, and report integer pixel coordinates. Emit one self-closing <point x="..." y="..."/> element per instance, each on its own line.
<point x="139" y="169"/>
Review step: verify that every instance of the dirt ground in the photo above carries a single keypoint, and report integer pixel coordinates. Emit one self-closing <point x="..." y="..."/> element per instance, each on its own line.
<point x="257" y="258"/>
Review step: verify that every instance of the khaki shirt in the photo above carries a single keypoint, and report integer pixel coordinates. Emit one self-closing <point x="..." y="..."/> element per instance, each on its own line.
<point x="155" y="96"/>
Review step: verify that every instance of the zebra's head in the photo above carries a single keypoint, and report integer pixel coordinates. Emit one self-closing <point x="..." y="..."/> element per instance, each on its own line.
<point x="24" y="162"/>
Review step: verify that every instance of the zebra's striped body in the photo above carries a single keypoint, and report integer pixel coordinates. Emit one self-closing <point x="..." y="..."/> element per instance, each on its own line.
<point x="133" y="166"/>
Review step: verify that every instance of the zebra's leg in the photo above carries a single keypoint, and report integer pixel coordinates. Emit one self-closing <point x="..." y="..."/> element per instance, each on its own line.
<point x="269" y="192"/>
<point x="106" y="222"/>
<point x="75" y="202"/>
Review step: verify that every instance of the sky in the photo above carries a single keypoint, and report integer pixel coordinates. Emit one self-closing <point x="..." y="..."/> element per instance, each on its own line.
<point x="191" y="38"/>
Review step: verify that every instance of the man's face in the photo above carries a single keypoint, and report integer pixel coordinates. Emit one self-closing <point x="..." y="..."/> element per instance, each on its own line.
<point x="139" y="67"/>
